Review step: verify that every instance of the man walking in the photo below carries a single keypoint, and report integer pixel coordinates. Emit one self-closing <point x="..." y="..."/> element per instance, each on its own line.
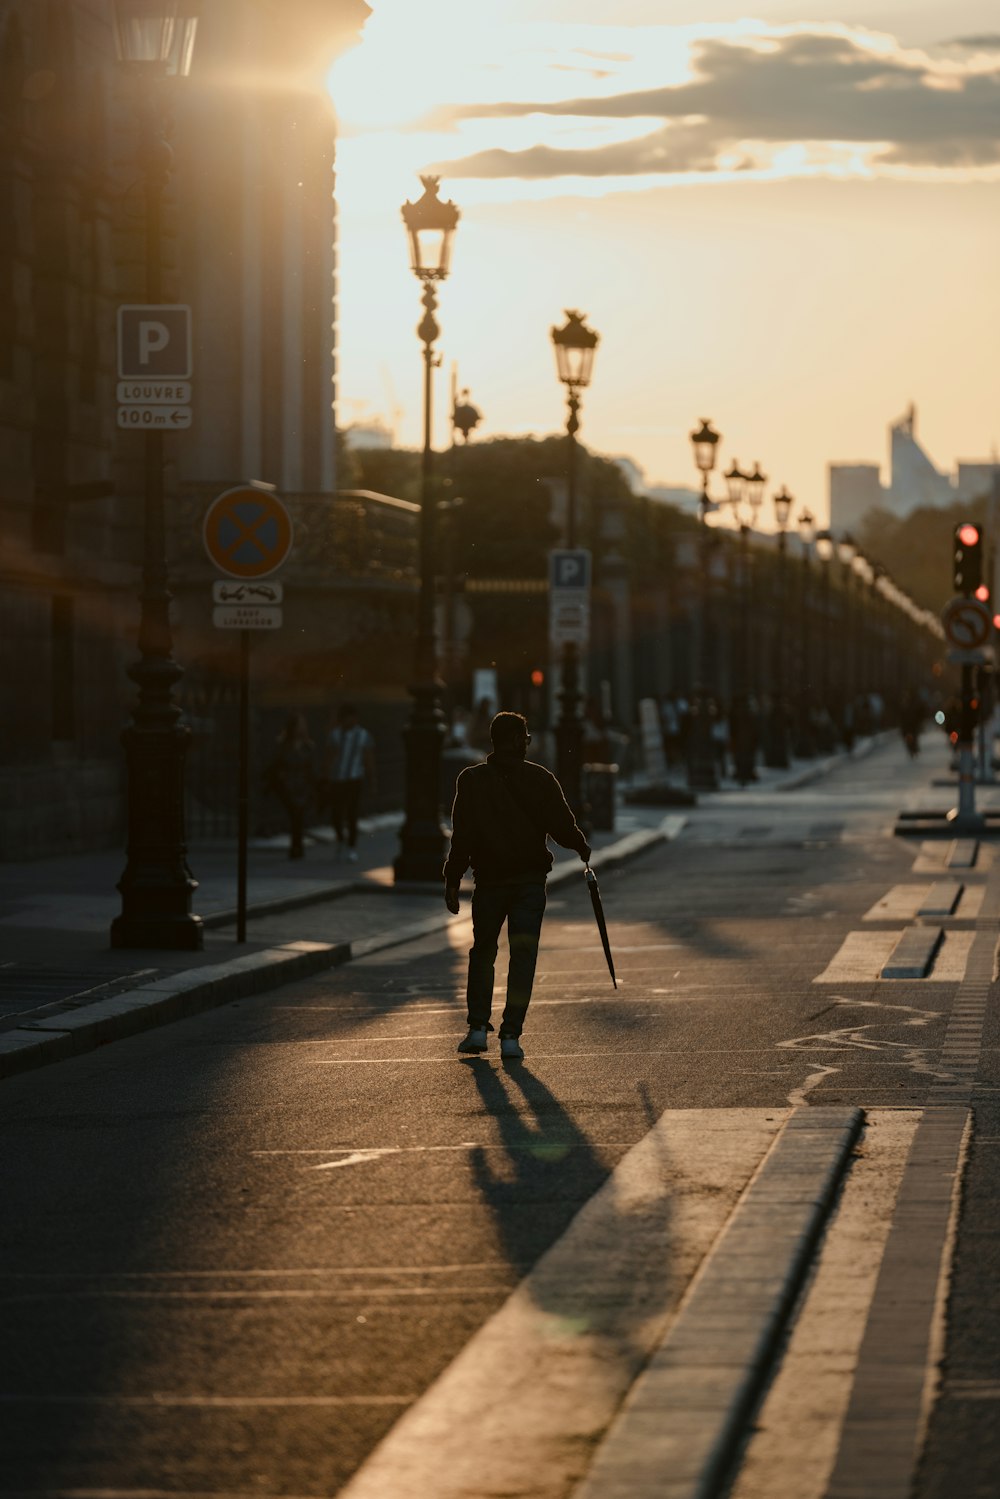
<point x="350" y="759"/>
<point x="503" y="811"/>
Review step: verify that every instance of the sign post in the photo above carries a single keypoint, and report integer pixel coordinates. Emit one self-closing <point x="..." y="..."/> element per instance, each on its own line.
<point x="248" y="535"/>
<point x="967" y="626"/>
<point x="243" y="816"/>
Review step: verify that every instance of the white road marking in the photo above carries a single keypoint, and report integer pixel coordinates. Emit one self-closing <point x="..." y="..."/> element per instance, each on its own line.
<point x="862" y="956"/>
<point x="799" y="1097"/>
<point x="169" y="1402"/>
<point x="607" y="1054"/>
<point x="859" y="959"/>
<point x="971" y="903"/>
<point x="952" y="958"/>
<point x="240" y="1274"/>
<point x="901" y="903"/>
<point x="579" y="1327"/>
<point x="923" y="1060"/>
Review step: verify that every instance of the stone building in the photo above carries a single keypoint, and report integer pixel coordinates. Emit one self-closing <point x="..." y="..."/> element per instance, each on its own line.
<point x="250" y="244"/>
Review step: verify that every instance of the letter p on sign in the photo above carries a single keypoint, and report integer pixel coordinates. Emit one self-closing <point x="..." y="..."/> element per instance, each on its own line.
<point x="154" y="341"/>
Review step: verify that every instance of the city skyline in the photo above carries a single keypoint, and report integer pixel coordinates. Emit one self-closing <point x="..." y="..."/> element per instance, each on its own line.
<point x="672" y="181"/>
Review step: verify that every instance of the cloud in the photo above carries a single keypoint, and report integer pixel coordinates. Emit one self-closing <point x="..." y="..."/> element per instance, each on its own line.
<point x="751" y="97"/>
<point x="988" y="41"/>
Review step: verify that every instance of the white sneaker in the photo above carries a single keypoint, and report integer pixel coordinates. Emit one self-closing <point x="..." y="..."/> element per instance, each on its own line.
<point x="510" y="1049"/>
<point x="475" y="1041"/>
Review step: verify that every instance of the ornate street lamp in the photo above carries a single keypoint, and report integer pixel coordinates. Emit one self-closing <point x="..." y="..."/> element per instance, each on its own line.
<point x="847" y="549"/>
<point x="736" y="488"/>
<point x="702" y="772"/>
<point x="575" y="345"/>
<point x="742" y="488"/>
<point x="776" y="739"/>
<point x="155" y="40"/>
<point x="805" y="745"/>
<point x="464" y="416"/>
<point x="736" y="485"/>
<point x="156" y="35"/>
<point x="430" y="226"/>
<point x="464" y="419"/>
<point x="755" y="483"/>
<point x="826" y="549"/>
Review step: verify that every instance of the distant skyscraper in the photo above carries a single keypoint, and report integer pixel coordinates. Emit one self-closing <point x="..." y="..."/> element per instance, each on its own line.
<point x="915" y="481"/>
<point x="855" y="488"/>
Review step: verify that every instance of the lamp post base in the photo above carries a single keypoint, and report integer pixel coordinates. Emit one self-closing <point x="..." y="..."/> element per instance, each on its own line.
<point x="157" y="885"/>
<point x="423" y="840"/>
<point x="776" y="738"/>
<point x="703" y="770"/>
<point x="182" y="932"/>
<point x="569" y="765"/>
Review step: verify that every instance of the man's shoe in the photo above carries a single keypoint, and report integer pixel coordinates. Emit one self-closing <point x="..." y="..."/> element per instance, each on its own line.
<point x="475" y="1041"/>
<point x="510" y="1049"/>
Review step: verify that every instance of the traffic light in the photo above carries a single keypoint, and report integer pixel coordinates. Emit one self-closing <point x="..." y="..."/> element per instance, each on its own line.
<point x="968" y="554"/>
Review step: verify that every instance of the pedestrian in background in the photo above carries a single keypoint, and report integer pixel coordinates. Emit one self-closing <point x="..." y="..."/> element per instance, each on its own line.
<point x="911" y="721"/>
<point x="504" y="810"/>
<point x="350" y="761"/>
<point x="291" y="775"/>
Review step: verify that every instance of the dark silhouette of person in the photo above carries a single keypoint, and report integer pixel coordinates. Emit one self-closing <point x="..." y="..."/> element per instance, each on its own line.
<point x="350" y="761"/>
<point x="911" y="721"/>
<point x="292" y="774"/>
<point x="504" y="810"/>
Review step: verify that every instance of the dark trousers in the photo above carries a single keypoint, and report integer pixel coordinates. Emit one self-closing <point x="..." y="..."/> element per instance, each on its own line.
<point x="345" y="797"/>
<point x="521" y="904"/>
<point x="297" y="825"/>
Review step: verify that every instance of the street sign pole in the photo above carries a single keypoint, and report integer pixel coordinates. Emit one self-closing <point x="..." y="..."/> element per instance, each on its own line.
<point x="966" y="626"/>
<point x="247" y="534"/>
<point x="243" y="829"/>
<point x="157" y="884"/>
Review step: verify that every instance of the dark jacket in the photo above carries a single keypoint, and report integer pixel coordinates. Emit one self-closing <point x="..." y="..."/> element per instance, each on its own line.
<point x="502" y="813"/>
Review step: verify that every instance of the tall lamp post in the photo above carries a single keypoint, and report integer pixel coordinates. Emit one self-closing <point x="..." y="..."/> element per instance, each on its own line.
<point x="846" y="552"/>
<point x="574" y="345"/>
<point x="745" y="489"/>
<point x="776" y="750"/>
<point x="430" y="226"/>
<point x="736" y="484"/>
<point x="155" y="41"/>
<point x="702" y="772"/>
<point x="464" y="418"/>
<point x="825" y="550"/>
<point x="805" y="746"/>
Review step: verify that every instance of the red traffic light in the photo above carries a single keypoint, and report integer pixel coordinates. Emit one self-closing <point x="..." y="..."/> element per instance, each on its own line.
<point x="983" y="594"/>
<point x="968" y="534"/>
<point x="537" y="678"/>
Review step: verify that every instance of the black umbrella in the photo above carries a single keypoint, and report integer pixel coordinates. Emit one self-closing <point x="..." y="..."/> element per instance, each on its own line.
<point x="602" y="926"/>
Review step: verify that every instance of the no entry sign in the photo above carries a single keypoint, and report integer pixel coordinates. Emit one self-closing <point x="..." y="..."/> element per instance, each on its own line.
<point x="247" y="532"/>
<point x="967" y="623"/>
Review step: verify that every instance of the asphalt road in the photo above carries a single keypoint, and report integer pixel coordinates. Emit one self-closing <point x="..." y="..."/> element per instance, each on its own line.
<point x="235" y="1250"/>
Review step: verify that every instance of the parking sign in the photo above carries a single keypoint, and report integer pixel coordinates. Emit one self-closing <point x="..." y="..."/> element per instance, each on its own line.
<point x="569" y="596"/>
<point x="570" y="569"/>
<point x="154" y="342"/>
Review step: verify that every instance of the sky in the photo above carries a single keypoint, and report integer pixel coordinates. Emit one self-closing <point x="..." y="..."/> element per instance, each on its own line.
<point x="784" y="219"/>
